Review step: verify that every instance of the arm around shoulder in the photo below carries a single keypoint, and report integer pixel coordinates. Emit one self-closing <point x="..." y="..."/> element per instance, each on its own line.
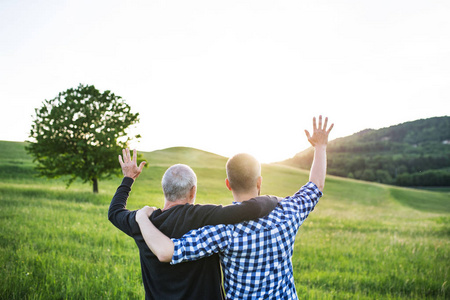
<point x="248" y="210"/>
<point x="161" y="245"/>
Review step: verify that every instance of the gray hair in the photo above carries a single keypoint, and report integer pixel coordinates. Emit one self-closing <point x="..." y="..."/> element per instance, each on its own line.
<point x="177" y="182"/>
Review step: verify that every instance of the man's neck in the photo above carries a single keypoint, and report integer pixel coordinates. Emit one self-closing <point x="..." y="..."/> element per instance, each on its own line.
<point x="170" y="204"/>
<point x="240" y="197"/>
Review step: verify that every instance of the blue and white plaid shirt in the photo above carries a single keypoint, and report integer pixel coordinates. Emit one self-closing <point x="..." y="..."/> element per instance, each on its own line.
<point x="255" y="255"/>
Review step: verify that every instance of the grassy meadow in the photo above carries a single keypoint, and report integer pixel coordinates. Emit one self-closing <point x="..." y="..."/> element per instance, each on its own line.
<point x="363" y="241"/>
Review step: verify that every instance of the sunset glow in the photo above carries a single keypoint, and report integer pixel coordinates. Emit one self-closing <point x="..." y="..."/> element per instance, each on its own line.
<point x="229" y="77"/>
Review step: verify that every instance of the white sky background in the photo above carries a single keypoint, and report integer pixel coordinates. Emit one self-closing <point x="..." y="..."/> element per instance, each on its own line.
<point x="231" y="76"/>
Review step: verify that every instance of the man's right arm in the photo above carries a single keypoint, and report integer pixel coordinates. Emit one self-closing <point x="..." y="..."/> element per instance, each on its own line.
<point x="118" y="214"/>
<point x="194" y="245"/>
<point x="161" y="245"/>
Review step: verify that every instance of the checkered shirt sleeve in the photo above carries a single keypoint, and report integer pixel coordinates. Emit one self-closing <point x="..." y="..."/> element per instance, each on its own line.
<point x="200" y="243"/>
<point x="255" y="255"/>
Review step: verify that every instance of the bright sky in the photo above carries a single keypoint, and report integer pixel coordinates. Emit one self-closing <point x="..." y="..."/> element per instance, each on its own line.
<point x="230" y="76"/>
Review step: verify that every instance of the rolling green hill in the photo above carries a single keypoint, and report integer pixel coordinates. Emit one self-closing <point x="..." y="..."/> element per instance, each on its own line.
<point x="410" y="154"/>
<point x="363" y="241"/>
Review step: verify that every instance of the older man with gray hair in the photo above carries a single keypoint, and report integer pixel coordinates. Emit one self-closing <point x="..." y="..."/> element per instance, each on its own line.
<point x="200" y="279"/>
<point x="179" y="182"/>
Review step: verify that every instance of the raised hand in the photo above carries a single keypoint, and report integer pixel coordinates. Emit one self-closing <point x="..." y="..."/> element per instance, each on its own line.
<point x="129" y="164"/>
<point x="320" y="133"/>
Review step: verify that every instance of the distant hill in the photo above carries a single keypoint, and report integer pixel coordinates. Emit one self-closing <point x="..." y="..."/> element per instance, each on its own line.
<point x="15" y="162"/>
<point x="414" y="153"/>
<point x="185" y="155"/>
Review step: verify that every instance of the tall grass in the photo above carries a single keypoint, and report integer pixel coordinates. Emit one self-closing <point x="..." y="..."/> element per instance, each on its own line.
<point x="363" y="240"/>
<point x="57" y="248"/>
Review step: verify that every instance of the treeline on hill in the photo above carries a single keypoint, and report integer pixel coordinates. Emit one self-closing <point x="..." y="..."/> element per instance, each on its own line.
<point x="410" y="154"/>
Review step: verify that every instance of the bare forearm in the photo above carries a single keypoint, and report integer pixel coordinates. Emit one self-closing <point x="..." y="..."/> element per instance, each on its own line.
<point x="319" y="141"/>
<point x="319" y="167"/>
<point x="159" y="244"/>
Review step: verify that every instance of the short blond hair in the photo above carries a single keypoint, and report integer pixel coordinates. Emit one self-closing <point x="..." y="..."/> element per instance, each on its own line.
<point x="243" y="171"/>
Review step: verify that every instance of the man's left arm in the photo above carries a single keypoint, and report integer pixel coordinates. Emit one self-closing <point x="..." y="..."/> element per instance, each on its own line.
<point x="304" y="201"/>
<point x="251" y="209"/>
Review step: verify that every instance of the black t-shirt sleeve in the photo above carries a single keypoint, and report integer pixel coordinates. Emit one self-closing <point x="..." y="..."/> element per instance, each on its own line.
<point x="118" y="214"/>
<point x="231" y="214"/>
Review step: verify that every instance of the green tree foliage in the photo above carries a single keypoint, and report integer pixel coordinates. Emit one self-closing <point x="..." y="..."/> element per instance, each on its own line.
<point x="410" y="154"/>
<point x="79" y="134"/>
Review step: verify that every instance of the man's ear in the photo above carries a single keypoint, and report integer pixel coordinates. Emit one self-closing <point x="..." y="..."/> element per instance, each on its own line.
<point x="259" y="183"/>
<point x="227" y="182"/>
<point x="192" y="193"/>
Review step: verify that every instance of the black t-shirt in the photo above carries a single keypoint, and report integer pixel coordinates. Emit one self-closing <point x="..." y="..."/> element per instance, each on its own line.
<point x="201" y="279"/>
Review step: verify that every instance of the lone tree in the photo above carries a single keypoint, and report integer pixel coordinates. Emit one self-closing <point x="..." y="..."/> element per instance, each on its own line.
<point x="80" y="133"/>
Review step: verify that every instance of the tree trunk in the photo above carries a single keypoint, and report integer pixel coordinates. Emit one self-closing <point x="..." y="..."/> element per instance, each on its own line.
<point x="95" y="185"/>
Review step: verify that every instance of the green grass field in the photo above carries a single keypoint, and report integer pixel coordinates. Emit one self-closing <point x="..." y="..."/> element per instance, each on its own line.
<point x="363" y="241"/>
